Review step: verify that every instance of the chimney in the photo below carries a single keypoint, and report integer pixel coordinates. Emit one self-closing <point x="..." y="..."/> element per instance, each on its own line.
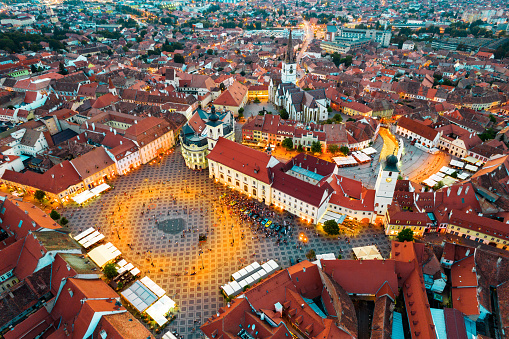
<point x="115" y="132"/>
<point x="466" y="190"/>
<point x="448" y="191"/>
<point x="460" y="189"/>
<point x="93" y="126"/>
<point x="120" y="142"/>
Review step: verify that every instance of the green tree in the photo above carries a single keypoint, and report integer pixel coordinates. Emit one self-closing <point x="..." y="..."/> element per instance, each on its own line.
<point x="337" y="117"/>
<point x="64" y="221"/>
<point x="54" y="215"/>
<point x="284" y="114"/>
<point x="179" y="59"/>
<point x="222" y="87"/>
<point x="300" y="149"/>
<point x="316" y="147"/>
<point x="311" y="255"/>
<point x="438" y="185"/>
<point x="332" y="148"/>
<point x="210" y="51"/>
<point x="62" y="69"/>
<point x="405" y="234"/>
<point x="242" y="73"/>
<point x="331" y="227"/>
<point x="241" y="112"/>
<point x="110" y="271"/>
<point x="344" y="149"/>
<point x="287" y="143"/>
<point x="256" y="100"/>
<point x="33" y="69"/>
<point x="488" y="134"/>
<point x="39" y="195"/>
<point x="493" y="119"/>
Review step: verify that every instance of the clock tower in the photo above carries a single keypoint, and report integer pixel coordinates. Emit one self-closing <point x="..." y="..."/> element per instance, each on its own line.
<point x="386" y="184"/>
<point x="289" y="69"/>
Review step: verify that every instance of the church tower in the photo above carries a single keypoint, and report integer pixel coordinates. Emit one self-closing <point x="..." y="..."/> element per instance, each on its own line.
<point x="111" y="87"/>
<point x="386" y="184"/>
<point x="289" y="69"/>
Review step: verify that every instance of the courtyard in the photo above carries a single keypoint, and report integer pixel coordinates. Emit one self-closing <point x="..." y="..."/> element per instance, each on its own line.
<point x="155" y="215"/>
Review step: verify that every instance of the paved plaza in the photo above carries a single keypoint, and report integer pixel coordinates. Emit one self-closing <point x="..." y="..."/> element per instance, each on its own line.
<point x="415" y="164"/>
<point x="143" y="217"/>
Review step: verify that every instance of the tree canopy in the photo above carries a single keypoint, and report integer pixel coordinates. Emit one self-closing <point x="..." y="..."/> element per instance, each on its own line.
<point x="331" y="227"/>
<point x="405" y="234"/>
<point x="287" y="143"/>
<point x="54" y="215"/>
<point x="110" y="271"/>
<point x="316" y="147"/>
<point x="39" y="195"/>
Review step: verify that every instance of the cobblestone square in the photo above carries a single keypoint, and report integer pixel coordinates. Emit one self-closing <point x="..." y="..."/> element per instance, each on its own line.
<point x="155" y="197"/>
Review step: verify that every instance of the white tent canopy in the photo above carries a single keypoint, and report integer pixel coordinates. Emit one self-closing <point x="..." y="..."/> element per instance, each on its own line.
<point x="471" y="168"/>
<point x="83" y="196"/>
<point x="139" y="296"/>
<point x="153" y="286"/>
<point x="463" y="175"/>
<point x="98" y="189"/>
<point x="84" y="233"/>
<point x="102" y="254"/>
<point x="91" y="239"/>
<point x="447" y="170"/>
<point x="369" y="150"/>
<point x="367" y="252"/>
<point x="158" y="310"/>
<point x="429" y="182"/>
<point x="169" y="335"/>
<point x="89" y="194"/>
<point x="326" y="256"/>
<point x="456" y="163"/>
<point x="436" y="178"/>
<point x="345" y="161"/>
<point x="361" y="157"/>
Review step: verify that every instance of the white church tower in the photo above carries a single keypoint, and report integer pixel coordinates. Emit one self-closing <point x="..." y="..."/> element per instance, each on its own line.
<point x="289" y="69"/>
<point x="386" y="184"/>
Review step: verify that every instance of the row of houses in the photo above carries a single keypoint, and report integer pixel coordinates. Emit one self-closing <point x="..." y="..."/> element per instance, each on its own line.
<point x="271" y="129"/>
<point x="115" y="154"/>
<point x="450" y="138"/>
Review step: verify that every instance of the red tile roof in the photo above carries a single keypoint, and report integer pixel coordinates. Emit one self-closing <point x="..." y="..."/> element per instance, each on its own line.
<point x="418" y="128"/>
<point x="241" y="158"/>
<point x="409" y="256"/>
<point x="56" y="180"/>
<point x="302" y="190"/>
<point x="233" y="96"/>
<point x="369" y="275"/>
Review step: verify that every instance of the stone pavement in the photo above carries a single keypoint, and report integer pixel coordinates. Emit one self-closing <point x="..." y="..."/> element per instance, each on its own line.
<point x="253" y="109"/>
<point x="169" y="196"/>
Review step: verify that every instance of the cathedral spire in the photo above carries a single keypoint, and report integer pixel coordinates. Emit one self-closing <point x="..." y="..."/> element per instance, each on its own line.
<point x="289" y="50"/>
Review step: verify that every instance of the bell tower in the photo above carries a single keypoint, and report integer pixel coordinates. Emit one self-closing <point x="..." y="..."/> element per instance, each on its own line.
<point x="289" y="69"/>
<point x="386" y="184"/>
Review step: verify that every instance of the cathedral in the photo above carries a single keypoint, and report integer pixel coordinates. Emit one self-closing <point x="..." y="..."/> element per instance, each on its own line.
<point x="289" y="69"/>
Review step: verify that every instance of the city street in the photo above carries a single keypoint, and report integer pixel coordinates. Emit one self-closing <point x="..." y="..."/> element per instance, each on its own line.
<point x="128" y="216"/>
<point x="390" y="143"/>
